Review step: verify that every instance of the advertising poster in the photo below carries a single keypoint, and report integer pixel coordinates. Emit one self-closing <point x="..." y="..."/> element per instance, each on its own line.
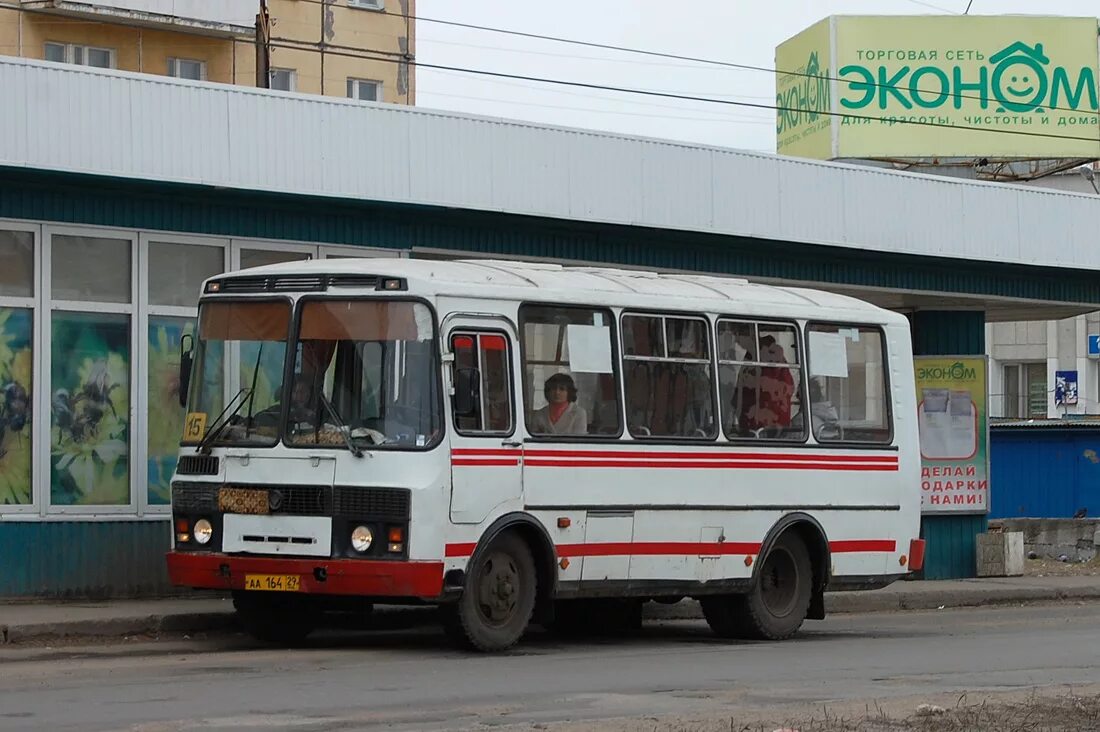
<point x="953" y="421"/>
<point x="15" y="406"/>
<point x="1065" y="388"/>
<point x="90" y="409"/>
<point x="165" y="412"/>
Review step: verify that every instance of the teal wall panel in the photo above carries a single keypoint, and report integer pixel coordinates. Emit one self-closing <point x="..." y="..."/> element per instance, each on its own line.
<point x="952" y="540"/>
<point x="951" y="545"/>
<point x="89" y="559"/>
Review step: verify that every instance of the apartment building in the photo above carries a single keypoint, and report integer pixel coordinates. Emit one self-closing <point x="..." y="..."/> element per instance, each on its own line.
<point x="345" y="48"/>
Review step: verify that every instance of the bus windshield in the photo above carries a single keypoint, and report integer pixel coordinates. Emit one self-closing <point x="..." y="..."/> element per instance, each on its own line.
<point x="254" y="335"/>
<point x="365" y="375"/>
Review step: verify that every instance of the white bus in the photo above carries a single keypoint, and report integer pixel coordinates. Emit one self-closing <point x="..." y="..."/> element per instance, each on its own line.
<point x="531" y="443"/>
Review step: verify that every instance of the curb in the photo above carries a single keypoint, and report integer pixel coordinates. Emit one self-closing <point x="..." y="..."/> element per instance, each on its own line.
<point x="118" y="627"/>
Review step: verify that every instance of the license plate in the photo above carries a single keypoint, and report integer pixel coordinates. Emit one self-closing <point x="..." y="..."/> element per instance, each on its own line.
<point x="273" y="582"/>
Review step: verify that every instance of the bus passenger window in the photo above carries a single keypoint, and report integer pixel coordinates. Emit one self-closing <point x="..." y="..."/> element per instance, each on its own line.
<point x="490" y="355"/>
<point x="848" y="390"/>
<point x="669" y="392"/>
<point x="569" y="376"/>
<point x="760" y="381"/>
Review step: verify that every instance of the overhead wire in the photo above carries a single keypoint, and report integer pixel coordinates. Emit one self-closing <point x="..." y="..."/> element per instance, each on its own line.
<point x="661" y="54"/>
<point x="277" y="43"/>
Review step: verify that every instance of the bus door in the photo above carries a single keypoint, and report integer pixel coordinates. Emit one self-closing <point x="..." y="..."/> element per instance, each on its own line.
<point x="485" y="451"/>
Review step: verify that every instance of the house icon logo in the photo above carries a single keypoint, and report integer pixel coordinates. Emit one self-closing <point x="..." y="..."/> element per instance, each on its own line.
<point x="1020" y="82"/>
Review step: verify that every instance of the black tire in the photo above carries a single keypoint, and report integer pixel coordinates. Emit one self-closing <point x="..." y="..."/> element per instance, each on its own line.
<point x="275" y="619"/>
<point x="498" y="598"/>
<point x="776" y="606"/>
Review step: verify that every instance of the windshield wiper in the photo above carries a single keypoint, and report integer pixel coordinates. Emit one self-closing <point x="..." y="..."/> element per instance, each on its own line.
<point x="342" y="426"/>
<point x="222" y="420"/>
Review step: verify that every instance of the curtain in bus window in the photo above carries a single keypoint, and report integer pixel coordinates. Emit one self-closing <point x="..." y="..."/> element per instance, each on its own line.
<point x="362" y="320"/>
<point x="240" y="321"/>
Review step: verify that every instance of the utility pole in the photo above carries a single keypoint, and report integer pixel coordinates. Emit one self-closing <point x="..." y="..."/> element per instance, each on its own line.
<point x="263" y="47"/>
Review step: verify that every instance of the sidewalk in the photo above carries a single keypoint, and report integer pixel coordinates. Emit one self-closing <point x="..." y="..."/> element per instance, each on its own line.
<point x="24" y="622"/>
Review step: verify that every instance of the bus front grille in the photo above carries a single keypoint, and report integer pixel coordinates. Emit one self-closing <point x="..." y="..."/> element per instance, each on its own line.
<point x="381" y="503"/>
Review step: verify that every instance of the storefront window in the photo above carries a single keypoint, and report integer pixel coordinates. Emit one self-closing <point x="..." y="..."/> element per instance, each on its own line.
<point x="262" y="257"/>
<point x="165" y="412"/>
<point x="16" y="368"/>
<point x="16" y="264"/>
<point x="176" y="272"/>
<point x="91" y="269"/>
<point x="90" y="407"/>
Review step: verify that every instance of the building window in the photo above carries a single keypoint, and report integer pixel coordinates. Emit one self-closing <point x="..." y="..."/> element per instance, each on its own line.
<point x="364" y="89"/>
<point x="68" y="53"/>
<point x="1025" y="390"/>
<point x="366" y="4"/>
<point x="17" y="278"/>
<point x="185" y="68"/>
<point x="284" y="79"/>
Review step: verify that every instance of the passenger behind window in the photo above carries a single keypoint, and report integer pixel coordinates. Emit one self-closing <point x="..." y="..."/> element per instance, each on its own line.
<point x="823" y="414"/>
<point x="561" y="415"/>
<point x="766" y="405"/>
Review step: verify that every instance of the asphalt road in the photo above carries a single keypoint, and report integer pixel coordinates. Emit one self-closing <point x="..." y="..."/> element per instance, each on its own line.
<point x="410" y="679"/>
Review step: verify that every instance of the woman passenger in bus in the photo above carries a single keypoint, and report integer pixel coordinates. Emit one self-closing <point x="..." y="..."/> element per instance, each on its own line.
<point x="561" y="415"/>
<point x="768" y="406"/>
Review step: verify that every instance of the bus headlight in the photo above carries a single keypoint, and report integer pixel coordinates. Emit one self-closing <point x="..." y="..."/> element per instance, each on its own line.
<point x="203" y="531"/>
<point x="361" y="538"/>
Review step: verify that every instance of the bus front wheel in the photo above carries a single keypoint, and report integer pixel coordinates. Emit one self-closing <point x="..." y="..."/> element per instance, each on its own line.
<point x="498" y="598"/>
<point x="777" y="603"/>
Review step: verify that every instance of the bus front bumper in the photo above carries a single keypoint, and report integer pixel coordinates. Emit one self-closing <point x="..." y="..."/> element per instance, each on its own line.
<point x="362" y="577"/>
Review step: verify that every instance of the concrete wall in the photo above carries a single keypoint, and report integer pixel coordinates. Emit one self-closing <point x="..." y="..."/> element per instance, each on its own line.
<point x="1052" y="538"/>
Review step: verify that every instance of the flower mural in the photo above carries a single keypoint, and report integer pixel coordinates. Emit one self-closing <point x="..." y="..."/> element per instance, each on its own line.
<point x="165" y="413"/>
<point x="16" y="364"/>
<point x="90" y="409"/>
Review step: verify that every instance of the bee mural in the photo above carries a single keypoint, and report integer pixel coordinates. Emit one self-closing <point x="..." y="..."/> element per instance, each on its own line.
<point x="78" y="415"/>
<point x="15" y="411"/>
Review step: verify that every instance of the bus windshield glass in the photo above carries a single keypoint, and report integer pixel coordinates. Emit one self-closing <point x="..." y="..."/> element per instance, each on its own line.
<point x="365" y="376"/>
<point x="254" y="336"/>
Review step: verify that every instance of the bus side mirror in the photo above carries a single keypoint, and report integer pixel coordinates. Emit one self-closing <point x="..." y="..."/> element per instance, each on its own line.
<point x="467" y="392"/>
<point x="187" y="347"/>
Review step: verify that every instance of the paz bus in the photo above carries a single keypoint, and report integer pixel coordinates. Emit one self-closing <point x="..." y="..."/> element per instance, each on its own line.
<point x="525" y="443"/>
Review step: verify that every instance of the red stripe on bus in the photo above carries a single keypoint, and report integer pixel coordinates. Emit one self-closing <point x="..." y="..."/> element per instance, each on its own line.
<point x="485" y="462"/>
<point x="657" y="548"/>
<point x="650" y="454"/>
<point x="711" y="464"/>
<point x="863" y="545"/>
<point x="683" y="548"/>
<point x="484" y="453"/>
<point x="459" y="550"/>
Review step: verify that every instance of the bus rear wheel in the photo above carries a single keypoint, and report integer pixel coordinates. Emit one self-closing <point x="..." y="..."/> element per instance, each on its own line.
<point x="778" y="602"/>
<point x="498" y="598"/>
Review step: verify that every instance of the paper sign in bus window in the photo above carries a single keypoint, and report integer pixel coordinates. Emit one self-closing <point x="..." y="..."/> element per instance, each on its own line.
<point x="589" y="349"/>
<point x="828" y="355"/>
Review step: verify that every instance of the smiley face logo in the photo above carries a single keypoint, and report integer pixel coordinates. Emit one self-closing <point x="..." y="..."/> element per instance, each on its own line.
<point x="1020" y="78"/>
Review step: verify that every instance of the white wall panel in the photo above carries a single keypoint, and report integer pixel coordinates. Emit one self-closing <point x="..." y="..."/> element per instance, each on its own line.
<point x="811" y="200"/>
<point x="746" y="193"/>
<point x="605" y="178"/>
<point x="147" y="127"/>
<point x="677" y="186"/>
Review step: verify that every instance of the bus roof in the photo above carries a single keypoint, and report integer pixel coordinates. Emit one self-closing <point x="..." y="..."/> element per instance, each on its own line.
<point x="583" y="284"/>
